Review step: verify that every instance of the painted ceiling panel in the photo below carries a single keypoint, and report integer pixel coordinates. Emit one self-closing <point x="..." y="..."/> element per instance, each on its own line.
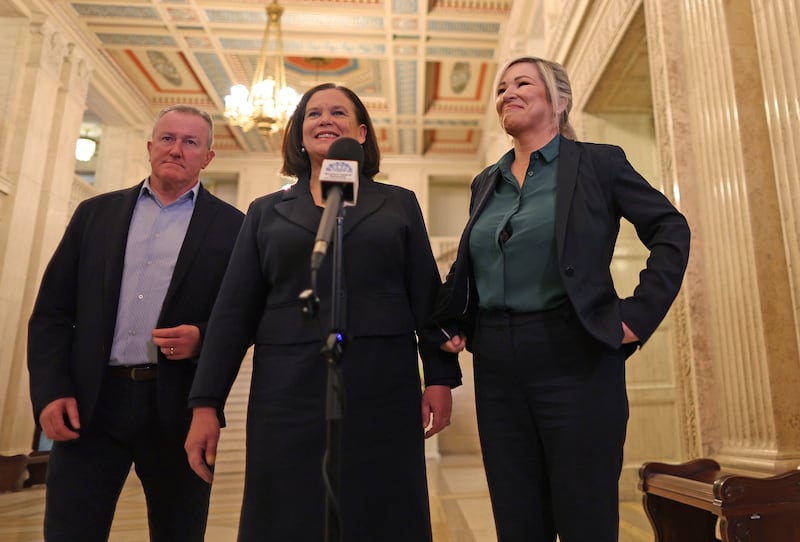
<point x="423" y="68"/>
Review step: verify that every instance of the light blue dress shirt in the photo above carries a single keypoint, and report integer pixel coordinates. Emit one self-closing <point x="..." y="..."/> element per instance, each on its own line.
<point x="155" y="237"/>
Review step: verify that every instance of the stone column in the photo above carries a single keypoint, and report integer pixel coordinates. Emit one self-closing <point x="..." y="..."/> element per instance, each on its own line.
<point x="751" y="319"/>
<point x="700" y="412"/>
<point x="121" y="158"/>
<point x="30" y="147"/>
<point x="776" y="31"/>
<point x="45" y="98"/>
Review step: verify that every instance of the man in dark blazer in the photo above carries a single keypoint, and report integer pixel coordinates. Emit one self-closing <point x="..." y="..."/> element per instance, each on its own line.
<point x="115" y="334"/>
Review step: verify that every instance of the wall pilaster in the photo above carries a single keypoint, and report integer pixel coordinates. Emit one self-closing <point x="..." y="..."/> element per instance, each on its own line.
<point x="750" y="317"/>
<point x="699" y="395"/>
<point x="50" y="96"/>
<point x="776" y="30"/>
<point x="121" y="158"/>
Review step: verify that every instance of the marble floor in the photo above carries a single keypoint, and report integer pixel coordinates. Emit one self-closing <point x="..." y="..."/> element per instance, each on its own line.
<point x="459" y="505"/>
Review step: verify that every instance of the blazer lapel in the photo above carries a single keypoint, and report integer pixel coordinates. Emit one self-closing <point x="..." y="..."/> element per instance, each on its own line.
<point x="483" y="193"/>
<point x="120" y="213"/>
<point x="205" y="208"/>
<point x="296" y="203"/>
<point x="296" y="206"/>
<point x="568" y="158"/>
<point x="479" y="201"/>
<point x="368" y="202"/>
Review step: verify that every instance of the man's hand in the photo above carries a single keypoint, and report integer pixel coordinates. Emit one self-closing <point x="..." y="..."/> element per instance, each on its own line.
<point x="54" y="417"/>
<point x="201" y="442"/>
<point x="437" y="404"/>
<point x="455" y="345"/>
<point x="181" y="342"/>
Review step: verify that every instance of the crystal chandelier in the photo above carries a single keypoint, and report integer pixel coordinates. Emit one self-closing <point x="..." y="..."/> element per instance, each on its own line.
<point x="269" y="102"/>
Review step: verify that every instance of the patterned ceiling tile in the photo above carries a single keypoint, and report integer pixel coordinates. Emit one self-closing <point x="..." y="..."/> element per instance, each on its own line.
<point x="408" y="140"/>
<point x="115" y="11"/>
<point x="321" y="65"/>
<point x="159" y="72"/>
<point x="131" y="40"/>
<point x="502" y="6"/>
<point x="405" y="49"/>
<point x="237" y="17"/>
<point x="405" y="24"/>
<point x="306" y="47"/>
<point x="374" y="47"/>
<point x="215" y="72"/>
<point x="469" y="27"/>
<point x="451" y="123"/>
<point x="294" y="19"/>
<point x="334" y="24"/>
<point x="459" y="80"/>
<point x="198" y="42"/>
<point x="182" y="15"/>
<point x="245" y="44"/>
<point x="328" y="48"/>
<point x="406" y="72"/>
<point x="439" y="51"/>
<point x="404" y="6"/>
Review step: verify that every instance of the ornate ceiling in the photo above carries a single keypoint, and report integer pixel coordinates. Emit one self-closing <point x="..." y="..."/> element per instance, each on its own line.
<point x="423" y="67"/>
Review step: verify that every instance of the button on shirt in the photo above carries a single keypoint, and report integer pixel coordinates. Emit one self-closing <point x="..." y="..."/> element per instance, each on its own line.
<point x="513" y="243"/>
<point x="155" y="237"/>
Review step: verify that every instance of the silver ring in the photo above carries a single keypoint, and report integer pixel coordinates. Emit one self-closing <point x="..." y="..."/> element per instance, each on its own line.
<point x="171" y="350"/>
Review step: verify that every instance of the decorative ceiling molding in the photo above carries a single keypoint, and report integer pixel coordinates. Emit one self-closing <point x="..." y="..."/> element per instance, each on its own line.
<point x="422" y="68"/>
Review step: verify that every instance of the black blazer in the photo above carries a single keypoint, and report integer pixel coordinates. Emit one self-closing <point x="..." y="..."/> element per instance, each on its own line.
<point x="596" y="186"/>
<point x="72" y="325"/>
<point x="390" y="279"/>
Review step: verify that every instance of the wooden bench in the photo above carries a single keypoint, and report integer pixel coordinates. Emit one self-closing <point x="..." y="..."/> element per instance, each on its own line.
<point x="684" y="503"/>
<point x="12" y="472"/>
<point x="37" y="459"/>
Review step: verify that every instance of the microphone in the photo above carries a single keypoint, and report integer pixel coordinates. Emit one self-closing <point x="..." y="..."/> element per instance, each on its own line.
<point x="341" y="167"/>
<point x="339" y="183"/>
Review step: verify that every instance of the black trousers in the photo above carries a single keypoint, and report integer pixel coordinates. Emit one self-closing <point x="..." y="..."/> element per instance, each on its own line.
<point x="85" y="476"/>
<point x="552" y="413"/>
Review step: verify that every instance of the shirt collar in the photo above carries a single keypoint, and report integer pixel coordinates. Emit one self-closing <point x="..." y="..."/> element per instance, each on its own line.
<point x="549" y="153"/>
<point x="149" y="192"/>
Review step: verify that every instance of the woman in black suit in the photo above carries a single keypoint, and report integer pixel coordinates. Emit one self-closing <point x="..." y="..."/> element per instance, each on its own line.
<point x="390" y="283"/>
<point x="531" y="296"/>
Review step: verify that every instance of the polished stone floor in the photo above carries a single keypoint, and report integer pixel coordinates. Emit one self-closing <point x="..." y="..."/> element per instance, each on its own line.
<point x="460" y="508"/>
<point x="459" y="505"/>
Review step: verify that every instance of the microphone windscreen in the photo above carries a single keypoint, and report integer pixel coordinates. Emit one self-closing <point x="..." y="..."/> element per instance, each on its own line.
<point x="346" y="148"/>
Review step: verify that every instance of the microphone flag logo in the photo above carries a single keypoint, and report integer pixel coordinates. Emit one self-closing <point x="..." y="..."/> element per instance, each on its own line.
<point x="339" y="170"/>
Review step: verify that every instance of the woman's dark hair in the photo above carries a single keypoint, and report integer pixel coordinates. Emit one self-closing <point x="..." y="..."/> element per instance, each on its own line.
<point x="296" y="161"/>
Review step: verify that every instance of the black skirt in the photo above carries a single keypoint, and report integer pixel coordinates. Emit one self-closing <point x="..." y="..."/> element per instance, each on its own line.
<point x="382" y="493"/>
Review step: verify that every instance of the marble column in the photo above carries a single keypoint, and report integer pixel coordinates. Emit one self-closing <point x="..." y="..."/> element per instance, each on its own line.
<point x="700" y="400"/>
<point x="121" y="158"/>
<point x="750" y="314"/>
<point x="47" y="99"/>
<point x="776" y="31"/>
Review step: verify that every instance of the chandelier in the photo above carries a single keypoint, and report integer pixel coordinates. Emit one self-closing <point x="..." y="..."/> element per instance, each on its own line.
<point x="269" y="102"/>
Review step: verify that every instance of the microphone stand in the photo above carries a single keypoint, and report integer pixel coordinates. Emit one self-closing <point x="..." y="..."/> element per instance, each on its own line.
<point x="333" y="350"/>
